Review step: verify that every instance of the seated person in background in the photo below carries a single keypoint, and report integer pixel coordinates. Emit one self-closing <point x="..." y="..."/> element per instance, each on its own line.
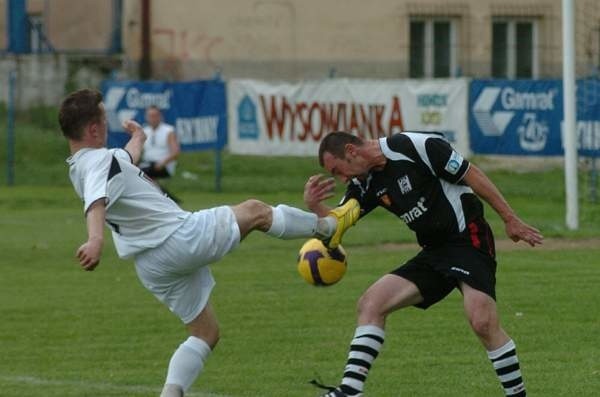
<point x="161" y="148"/>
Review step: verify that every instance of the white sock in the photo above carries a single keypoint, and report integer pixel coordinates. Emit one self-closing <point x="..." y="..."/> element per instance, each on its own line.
<point x="290" y="222"/>
<point x="187" y="362"/>
<point x="506" y="364"/>
<point x="364" y="349"/>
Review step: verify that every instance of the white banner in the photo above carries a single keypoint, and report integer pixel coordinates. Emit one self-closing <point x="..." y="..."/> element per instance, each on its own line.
<point x="291" y="119"/>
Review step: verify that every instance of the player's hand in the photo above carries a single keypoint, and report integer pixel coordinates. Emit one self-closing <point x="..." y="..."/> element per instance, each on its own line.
<point x="89" y="254"/>
<point x="132" y="127"/>
<point x="518" y="230"/>
<point x="318" y="188"/>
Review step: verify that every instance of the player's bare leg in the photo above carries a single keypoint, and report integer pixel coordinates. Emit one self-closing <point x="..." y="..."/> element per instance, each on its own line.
<point x="388" y="294"/>
<point x="482" y="314"/>
<point x="188" y="360"/>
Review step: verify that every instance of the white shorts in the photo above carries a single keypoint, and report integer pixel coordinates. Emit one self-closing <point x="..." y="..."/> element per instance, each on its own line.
<point x="176" y="271"/>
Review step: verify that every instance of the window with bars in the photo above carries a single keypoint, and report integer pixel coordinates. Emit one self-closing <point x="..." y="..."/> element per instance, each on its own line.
<point x="432" y="48"/>
<point x="514" y="49"/>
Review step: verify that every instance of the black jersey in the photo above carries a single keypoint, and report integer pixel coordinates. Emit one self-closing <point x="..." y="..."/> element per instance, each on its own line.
<point x="421" y="184"/>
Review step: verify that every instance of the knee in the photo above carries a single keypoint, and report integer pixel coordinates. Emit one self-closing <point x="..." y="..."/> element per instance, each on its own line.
<point x="208" y="333"/>
<point x="481" y="324"/>
<point x="369" y="308"/>
<point x="261" y="212"/>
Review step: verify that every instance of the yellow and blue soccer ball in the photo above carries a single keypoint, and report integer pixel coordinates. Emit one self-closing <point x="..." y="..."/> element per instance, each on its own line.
<point x="319" y="265"/>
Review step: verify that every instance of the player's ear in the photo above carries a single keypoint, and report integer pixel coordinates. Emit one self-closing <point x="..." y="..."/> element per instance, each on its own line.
<point x="350" y="150"/>
<point x="94" y="129"/>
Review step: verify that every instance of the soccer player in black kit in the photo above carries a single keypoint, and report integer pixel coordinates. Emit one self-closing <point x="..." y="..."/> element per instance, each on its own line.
<point x="422" y="180"/>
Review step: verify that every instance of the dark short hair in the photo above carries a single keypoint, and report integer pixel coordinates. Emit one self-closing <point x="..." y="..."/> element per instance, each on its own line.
<point x="77" y="110"/>
<point x="335" y="143"/>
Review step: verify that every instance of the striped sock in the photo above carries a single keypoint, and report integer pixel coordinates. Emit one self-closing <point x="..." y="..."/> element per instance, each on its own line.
<point x="506" y="363"/>
<point x="363" y="350"/>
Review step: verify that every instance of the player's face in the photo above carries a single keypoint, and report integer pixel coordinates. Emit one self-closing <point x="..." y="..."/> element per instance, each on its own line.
<point x="351" y="166"/>
<point x="153" y="117"/>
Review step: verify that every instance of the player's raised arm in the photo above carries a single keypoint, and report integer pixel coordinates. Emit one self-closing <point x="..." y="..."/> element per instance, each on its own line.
<point x="317" y="189"/>
<point x="516" y="229"/>
<point x="89" y="253"/>
<point x="136" y="143"/>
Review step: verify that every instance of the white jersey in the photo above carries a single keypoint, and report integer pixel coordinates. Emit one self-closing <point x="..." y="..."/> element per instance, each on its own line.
<point x="139" y="214"/>
<point x="156" y="147"/>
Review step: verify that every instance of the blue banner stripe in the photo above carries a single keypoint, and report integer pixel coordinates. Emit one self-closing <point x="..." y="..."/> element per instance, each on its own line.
<point x="196" y="109"/>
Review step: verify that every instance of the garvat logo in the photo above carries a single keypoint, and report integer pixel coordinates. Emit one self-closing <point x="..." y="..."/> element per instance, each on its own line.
<point x="494" y="123"/>
<point x="533" y="134"/>
<point x="491" y="124"/>
<point x="416" y="212"/>
<point x="115" y="117"/>
<point x="135" y="100"/>
<point x="247" y="123"/>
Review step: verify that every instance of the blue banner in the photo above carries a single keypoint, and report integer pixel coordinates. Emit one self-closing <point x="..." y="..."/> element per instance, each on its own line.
<point x="196" y="109"/>
<point x="517" y="117"/>
<point x="525" y="117"/>
<point x="588" y="117"/>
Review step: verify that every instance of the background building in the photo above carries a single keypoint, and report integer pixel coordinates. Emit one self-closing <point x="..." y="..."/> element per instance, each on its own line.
<point x="72" y="43"/>
<point x="299" y="39"/>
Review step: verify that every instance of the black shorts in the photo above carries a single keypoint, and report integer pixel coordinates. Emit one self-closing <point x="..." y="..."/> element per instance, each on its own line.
<point x="436" y="271"/>
<point x="154" y="174"/>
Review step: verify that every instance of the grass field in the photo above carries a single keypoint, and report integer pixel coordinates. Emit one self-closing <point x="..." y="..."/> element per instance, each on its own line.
<point x="66" y="332"/>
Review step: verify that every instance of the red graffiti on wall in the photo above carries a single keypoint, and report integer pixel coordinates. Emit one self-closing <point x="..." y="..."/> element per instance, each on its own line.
<point x="182" y="45"/>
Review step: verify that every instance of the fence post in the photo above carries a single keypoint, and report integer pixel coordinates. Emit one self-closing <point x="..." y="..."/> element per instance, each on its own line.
<point x="10" y="137"/>
<point x="218" y="170"/>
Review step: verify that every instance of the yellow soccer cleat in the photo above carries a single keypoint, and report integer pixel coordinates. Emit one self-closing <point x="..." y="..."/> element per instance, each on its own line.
<point x="346" y="216"/>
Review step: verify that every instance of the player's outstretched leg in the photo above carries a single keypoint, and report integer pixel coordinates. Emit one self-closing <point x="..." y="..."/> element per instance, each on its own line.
<point x="483" y="318"/>
<point x="287" y="222"/>
<point x="188" y="360"/>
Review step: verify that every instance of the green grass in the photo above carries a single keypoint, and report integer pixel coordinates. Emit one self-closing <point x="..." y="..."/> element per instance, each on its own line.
<point x="66" y="332"/>
<point x="74" y="333"/>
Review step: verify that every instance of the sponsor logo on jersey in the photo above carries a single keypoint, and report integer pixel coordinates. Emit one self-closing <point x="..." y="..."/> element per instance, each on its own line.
<point x="404" y="183"/>
<point x="384" y="197"/>
<point x="416" y="212"/>
<point x="454" y="163"/>
<point x="386" y="200"/>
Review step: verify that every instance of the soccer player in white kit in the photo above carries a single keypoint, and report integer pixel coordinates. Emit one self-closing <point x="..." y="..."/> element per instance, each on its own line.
<point x="171" y="247"/>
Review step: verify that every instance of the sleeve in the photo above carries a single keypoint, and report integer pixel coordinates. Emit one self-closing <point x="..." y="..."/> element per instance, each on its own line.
<point x="95" y="179"/>
<point x="446" y="162"/>
<point x="366" y="201"/>
<point x="122" y="154"/>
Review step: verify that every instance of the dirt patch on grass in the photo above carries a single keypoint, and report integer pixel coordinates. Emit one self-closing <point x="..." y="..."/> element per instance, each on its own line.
<point x="550" y="244"/>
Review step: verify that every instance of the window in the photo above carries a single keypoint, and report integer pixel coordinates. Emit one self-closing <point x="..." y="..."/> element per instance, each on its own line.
<point x="432" y="48"/>
<point x="514" y="49"/>
<point x="36" y="31"/>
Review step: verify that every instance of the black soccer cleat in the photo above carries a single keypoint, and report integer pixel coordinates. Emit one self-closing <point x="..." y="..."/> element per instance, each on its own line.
<point x="333" y="391"/>
<point x="338" y="393"/>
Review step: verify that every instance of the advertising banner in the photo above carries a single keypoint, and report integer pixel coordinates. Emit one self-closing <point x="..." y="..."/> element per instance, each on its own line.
<point x="196" y="109"/>
<point x="525" y="117"/>
<point x="517" y="117"/>
<point x="588" y="117"/>
<point x="291" y="119"/>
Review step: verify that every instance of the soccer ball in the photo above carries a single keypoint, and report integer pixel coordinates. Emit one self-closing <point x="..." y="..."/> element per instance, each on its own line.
<point x="319" y="265"/>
